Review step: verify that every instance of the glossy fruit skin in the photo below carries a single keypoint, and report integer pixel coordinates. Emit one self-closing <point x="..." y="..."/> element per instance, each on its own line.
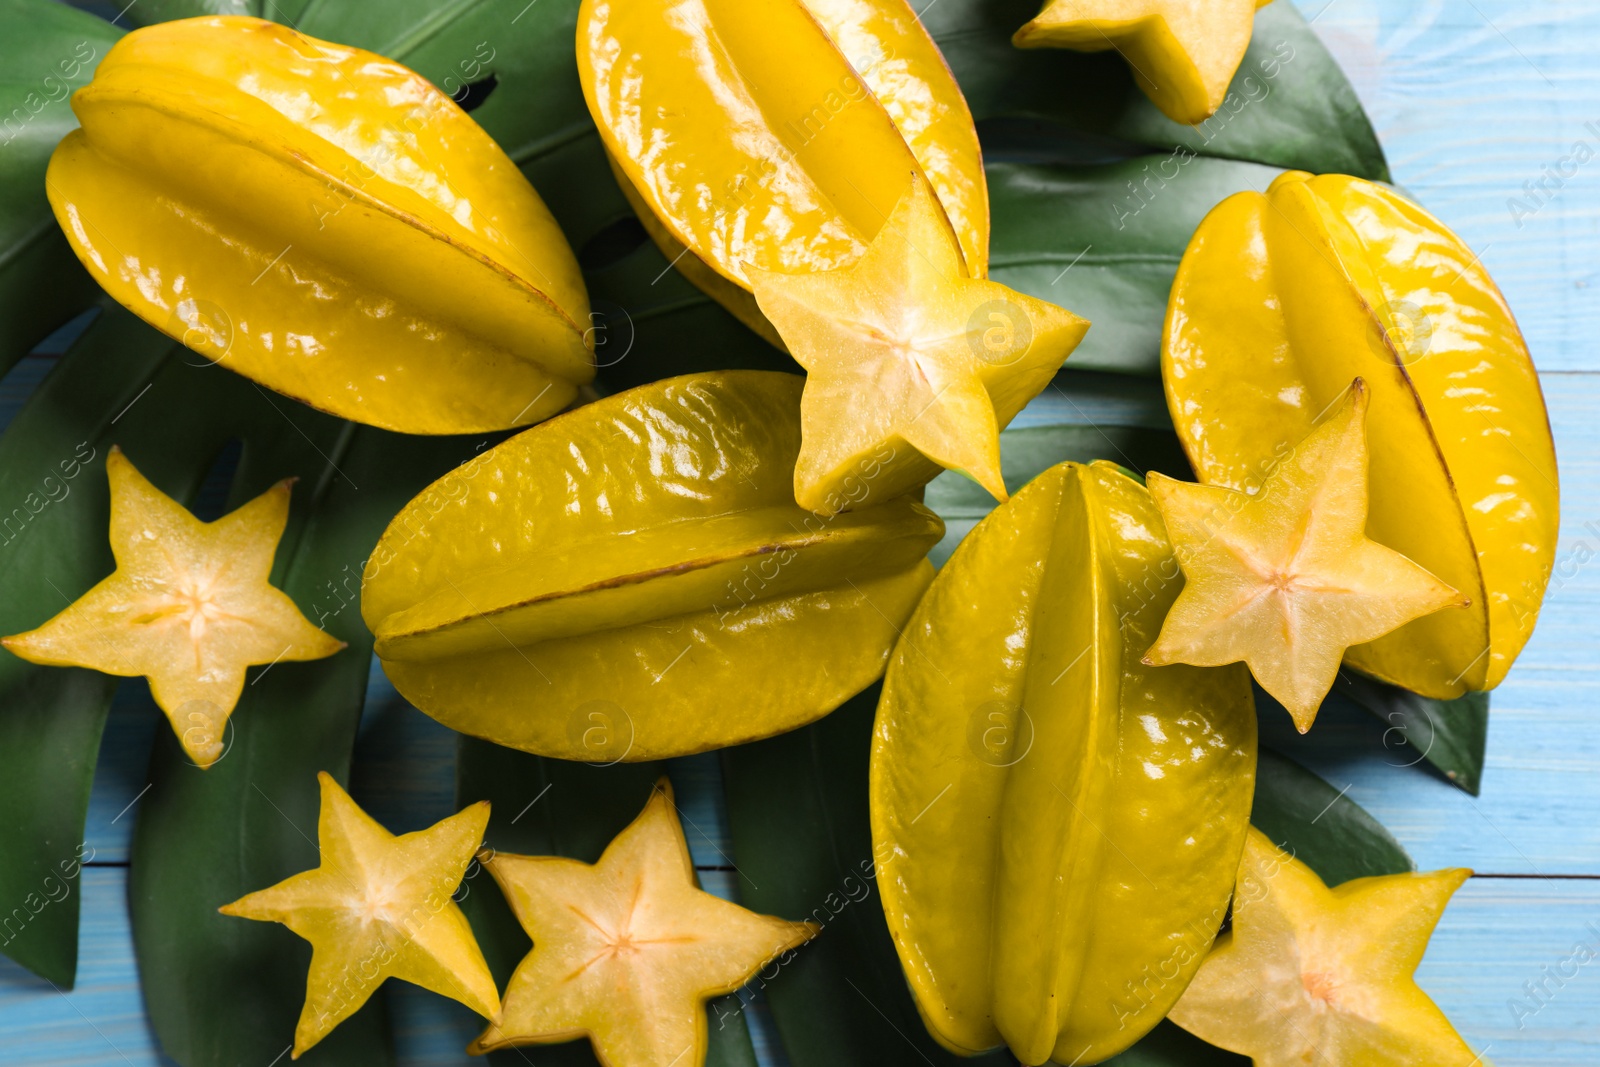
<point x="633" y="579"/>
<point x="1281" y="300"/>
<point x="778" y="134"/>
<point x="325" y="222"/>
<point x="1053" y="881"/>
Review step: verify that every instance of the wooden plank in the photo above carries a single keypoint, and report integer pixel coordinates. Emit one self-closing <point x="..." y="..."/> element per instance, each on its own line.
<point x="1476" y="102"/>
<point x="1497" y="937"/>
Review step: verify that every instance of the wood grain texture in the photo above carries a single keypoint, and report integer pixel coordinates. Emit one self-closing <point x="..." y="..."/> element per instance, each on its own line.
<point x="1476" y="101"/>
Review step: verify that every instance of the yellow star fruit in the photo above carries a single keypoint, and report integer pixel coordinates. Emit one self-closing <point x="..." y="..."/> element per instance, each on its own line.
<point x="1281" y="299"/>
<point x="189" y="607"/>
<point x="1287" y="580"/>
<point x="379" y="906"/>
<point x="905" y="351"/>
<point x="1312" y="975"/>
<point x="626" y="951"/>
<point x="325" y="222"/>
<point x="1183" y="52"/>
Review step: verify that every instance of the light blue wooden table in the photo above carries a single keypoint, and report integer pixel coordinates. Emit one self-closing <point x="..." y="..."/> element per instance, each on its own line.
<point x="1476" y="102"/>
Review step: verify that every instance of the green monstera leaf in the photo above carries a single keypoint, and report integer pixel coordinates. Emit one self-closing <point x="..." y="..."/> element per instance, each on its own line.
<point x="1289" y="106"/>
<point x="46" y="51"/>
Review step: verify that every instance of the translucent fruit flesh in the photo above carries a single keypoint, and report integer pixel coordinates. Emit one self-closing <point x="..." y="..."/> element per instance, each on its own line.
<point x="1287" y="580"/>
<point x="626" y="951"/>
<point x="1312" y="975"/>
<point x="189" y="607"/>
<point x="1183" y="53"/>
<point x="907" y="354"/>
<point x="378" y="907"/>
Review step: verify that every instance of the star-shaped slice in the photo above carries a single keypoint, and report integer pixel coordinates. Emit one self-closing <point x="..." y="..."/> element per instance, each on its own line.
<point x="627" y="951"/>
<point x="1315" y="977"/>
<point x="379" y="906"/>
<point x="188" y="607"/>
<point x="1183" y="53"/>
<point x="1286" y="580"/>
<point x="904" y="351"/>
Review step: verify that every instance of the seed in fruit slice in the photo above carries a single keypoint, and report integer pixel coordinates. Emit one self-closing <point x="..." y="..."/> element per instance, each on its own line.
<point x="378" y="907"/>
<point x="1281" y="299"/>
<point x="777" y="135"/>
<point x="1287" y="579"/>
<point x="188" y="607"/>
<point x="324" y="222"/>
<point x="1056" y="822"/>
<point x="1183" y="53"/>
<point x="634" y="580"/>
<point x="907" y="353"/>
<point x="1310" y="974"/>
<point x="627" y="951"/>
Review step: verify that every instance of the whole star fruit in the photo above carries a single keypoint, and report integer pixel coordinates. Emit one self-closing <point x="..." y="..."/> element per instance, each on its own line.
<point x="1183" y="53"/>
<point x="1281" y="300"/>
<point x="903" y="352"/>
<point x="377" y="907"/>
<point x="1058" y="824"/>
<point x="324" y="222"/>
<point x="1287" y="580"/>
<point x="777" y="135"/>
<point x="627" y="951"/>
<point x="189" y="607"/>
<point x="633" y="579"/>
<point x="1309" y="974"/>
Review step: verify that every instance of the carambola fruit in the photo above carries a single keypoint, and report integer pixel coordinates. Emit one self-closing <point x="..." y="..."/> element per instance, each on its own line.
<point x="377" y="907"/>
<point x="1058" y="824"/>
<point x="634" y="580"/>
<point x="1312" y="974"/>
<point x="1282" y="299"/>
<point x="626" y="951"/>
<point x="189" y="607"/>
<point x="1183" y="53"/>
<point x="324" y="222"/>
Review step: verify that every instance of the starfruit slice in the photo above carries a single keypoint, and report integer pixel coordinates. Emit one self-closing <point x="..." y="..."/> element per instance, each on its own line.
<point x="377" y="907"/>
<point x="788" y="140"/>
<point x="1286" y="296"/>
<point x="634" y="580"/>
<point x="904" y="353"/>
<point x="627" y="950"/>
<point x="1309" y="974"/>
<point x="1183" y="53"/>
<point x="777" y="135"/>
<point x="1057" y="825"/>
<point x="1287" y="580"/>
<point x="189" y="607"/>
<point x="325" y="222"/>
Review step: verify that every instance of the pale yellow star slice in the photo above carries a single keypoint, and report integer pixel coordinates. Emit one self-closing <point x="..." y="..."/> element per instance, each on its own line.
<point x="378" y="907"/>
<point x="1315" y="977"/>
<point x="909" y="360"/>
<point x="189" y="607"/>
<point x="626" y="951"/>
<point x="1183" y="53"/>
<point x="1286" y="579"/>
